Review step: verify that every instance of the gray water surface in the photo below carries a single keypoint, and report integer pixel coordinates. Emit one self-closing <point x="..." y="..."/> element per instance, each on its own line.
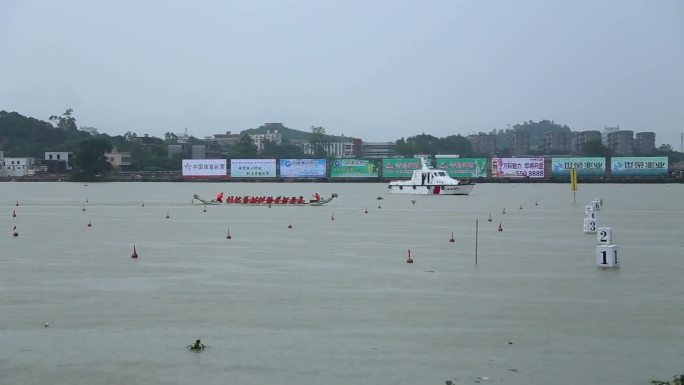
<point x="332" y="301"/>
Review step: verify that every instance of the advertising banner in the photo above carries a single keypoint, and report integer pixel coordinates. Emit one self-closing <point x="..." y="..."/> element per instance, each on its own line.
<point x="584" y="166"/>
<point x="399" y="168"/>
<point x="639" y="166"/>
<point x="518" y="167"/>
<point x="353" y="168"/>
<point x="302" y="168"/>
<point x="204" y="167"/>
<point x="252" y="168"/>
<point x="463" y="167"/>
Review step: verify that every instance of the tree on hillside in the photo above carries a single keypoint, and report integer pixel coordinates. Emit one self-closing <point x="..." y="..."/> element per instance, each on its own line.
<point x="595" y="147"/>
<point x="318" y="142"/>
<point x="282" y="151"/>
<point x="90" y="159"/>
<point x="66" y="122"/>
<point x="244" y="149"/>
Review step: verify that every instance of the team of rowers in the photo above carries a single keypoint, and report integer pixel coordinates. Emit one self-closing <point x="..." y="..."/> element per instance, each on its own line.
<point x="279" y="200"/>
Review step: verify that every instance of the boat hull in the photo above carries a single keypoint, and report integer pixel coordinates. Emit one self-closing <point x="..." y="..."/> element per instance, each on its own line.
<point x="460" y="189"/>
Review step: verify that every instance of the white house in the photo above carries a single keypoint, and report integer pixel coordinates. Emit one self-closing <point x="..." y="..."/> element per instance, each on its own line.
<point x="19" y="166"/>
<point x="59" y="157"/>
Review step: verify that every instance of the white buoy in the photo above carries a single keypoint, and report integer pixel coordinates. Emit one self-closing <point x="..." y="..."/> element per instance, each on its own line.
<point x="596" y="204"/>
<point x="589" y="225"/>
<point x="604" y="236"/>
<point x="588" y="209"/>
<point x="607" y="256"/>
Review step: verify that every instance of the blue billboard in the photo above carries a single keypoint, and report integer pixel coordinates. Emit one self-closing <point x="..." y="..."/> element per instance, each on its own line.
<point x="303" y="168"/>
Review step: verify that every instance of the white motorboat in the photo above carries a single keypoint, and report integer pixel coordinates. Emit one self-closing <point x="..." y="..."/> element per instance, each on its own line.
<point x="430" y="181"/>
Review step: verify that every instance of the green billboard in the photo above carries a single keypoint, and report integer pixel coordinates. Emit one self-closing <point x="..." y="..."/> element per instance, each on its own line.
<point x="354" y="168"/>
<point x="584" y="166"/>
<point x="399" y="168"/>
<point x="463" y="167"/>
<point x="639" y="166"/>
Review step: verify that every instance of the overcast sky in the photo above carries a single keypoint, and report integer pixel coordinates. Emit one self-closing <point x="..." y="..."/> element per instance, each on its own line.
<point x="378" y="70"/>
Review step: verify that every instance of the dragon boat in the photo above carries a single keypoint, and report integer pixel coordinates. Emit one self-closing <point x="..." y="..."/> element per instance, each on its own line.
<point x="263" y="200"/>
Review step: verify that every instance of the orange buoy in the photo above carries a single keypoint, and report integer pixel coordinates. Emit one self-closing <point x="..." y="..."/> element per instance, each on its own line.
<point x="452" y="237"/>
<point x="14" y="213"/>
<point x="408" y="258"/>
<point x="490" y="217"/>
<point x="500" y="227"/>
<point x="229" y="236"/>
<point x="135" y="253"/>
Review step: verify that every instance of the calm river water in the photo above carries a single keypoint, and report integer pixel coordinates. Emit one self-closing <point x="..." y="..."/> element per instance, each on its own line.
<point x="333" y="301"/>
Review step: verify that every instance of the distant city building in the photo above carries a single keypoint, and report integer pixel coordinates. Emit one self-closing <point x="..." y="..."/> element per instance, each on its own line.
<point x="621" y="142"/>
<point x="607" y="130"/>
<point x="119" y="160"/>
<point x="376" y="150"/>
<point x="557" y="140"/>
<point x="483" y="144"/>
<point x="582" y="137"/>
<point x="644" y="142"/>
<point x="58" y="161"/>
<point x="15" y="167"/>
<point x="227" y="139"/>
<point x="272" y="136"/>
<point x="333" y="149"/>
<point x="198" y="151"/>
<point x="520" y="143"/>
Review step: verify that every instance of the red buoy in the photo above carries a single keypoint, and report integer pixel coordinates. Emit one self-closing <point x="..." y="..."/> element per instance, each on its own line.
<point x="490" y="218"/>
<point x="229" y="236"/>
<point x="409" y="259"/>
<point x="500" y="227"/>
<point x="452" y="237"/>
<point x="135" y="253"/>
<point x="14" y="213"/>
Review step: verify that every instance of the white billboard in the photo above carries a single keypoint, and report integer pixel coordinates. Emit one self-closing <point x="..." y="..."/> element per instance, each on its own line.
<point x="204" y="167"/>
<point x="252" y="168"/>
<point x="518" y="167"/>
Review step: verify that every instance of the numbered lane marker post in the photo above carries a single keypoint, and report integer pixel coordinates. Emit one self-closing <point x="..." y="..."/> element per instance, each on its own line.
<point x="607" y="256"/>
<point x="604" y="236"/>
<point x="592" y="215"/>
<point x="597" y="205"/>
<point x="589" y="225"/>
<point x="588" y="209"/>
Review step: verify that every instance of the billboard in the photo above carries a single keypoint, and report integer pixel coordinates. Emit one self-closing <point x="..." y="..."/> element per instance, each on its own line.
<point x="463" y="167"/>
<point x="252" y="168"/>
<point x="399" y="168"/>
<point x="302" y="168"/>
<point x="353" y="168"/>
<point x="204" y="167"/>
<point x="518" y="167"/>
<point x="584" y="166"/>
<point x="639" y="166"/>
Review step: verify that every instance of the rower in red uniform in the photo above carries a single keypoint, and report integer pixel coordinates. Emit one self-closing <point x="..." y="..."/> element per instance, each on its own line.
<point x="219" y="197"/>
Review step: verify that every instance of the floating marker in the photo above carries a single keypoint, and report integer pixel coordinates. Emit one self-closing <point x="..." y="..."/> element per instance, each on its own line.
<point x="504" y="211"/>
<point x="135" y="253"/>
<point x="289" y="226"/>
<point x="14" y="232"/>
<point x="500" y="227"/>
<point x="592" y="215"/>
<point x="205" y="209"/>
<point x="589" y="226"/>
<point x="366" y="211"/>
<point x="413" y="201"/>
<point x="379" y="206"/>
<point x="46" y="324"/>
<point x="452" y="237"/>
<point x="520" y="207"/>
<point x="143" y="204"/>
<point x="588" y="209"/>
<point x="604" y="236"/>
<point x="332" y="217"/>
<point x="17" y="203"/>
<point x="408" y="258"/>
<point x="229" y="236"/>
<point x="536" y="203"/>
<point x="14" y="213"/>
<point x="490" y="218"/>
<point x="607" y="256"/>
<point x="86" y="200"/>
<point x="90" y="223"/>
<point x="83" y="209"/>
<point x="601" y="201"/>
<point x="596" y="204"/>
<point x="167" y="215"/>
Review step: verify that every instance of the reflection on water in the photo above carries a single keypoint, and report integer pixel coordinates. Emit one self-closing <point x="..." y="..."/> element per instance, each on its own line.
<point x="334" y="301"/>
